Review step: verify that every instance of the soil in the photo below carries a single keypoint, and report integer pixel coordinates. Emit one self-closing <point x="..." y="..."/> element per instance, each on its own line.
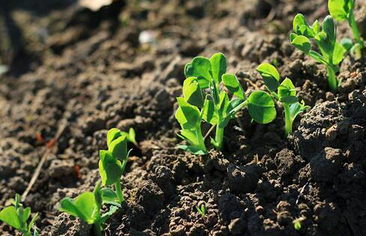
<point x="122" y="66"/>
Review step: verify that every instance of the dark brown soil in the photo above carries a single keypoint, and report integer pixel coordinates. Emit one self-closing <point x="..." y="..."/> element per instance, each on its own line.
<point x="89" y="70"/>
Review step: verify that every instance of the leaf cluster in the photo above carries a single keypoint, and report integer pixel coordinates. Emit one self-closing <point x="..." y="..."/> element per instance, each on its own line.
<point x="284" y="92"/>
<point x="17" y="217"/>
<point x="205" y="99"/>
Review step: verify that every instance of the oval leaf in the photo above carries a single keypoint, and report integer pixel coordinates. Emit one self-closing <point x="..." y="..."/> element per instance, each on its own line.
<point x="270" y="76"/>
<point x="233" y="85"/>
<point x="218" y="66"/>
<point x="110" y="168"/>
<point x="192" y="92"/>
<point x="199" y="67"/>
<point x="302" y="43"/>
<point x="187" y="115"/>
<point x="261" y="107"/>
<point x="9" y="215"/>
<point x="118" y="148"/>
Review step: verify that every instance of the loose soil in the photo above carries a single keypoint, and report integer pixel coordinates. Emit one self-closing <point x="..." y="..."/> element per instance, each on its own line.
<point x="90" y="70"/>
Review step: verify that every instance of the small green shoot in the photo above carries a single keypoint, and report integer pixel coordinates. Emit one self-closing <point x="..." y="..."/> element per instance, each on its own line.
<point x="331" y="52"/>
<point x="344" y="10"/>
<point x="87" y="206"/>
<point x="202" y="210"/>
<point x="17" y="217"/>
<point x="205" y="100"/>
<point x="284" y="92"/>
<point x="113" y="161"/>
<point x="297" y="224"/>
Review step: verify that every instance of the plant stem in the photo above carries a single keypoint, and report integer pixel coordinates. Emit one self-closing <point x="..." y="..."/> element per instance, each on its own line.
<point x="332" y="80"/>
<point x="288" y="120"/>
<point x="119" y="193"/>
<point x="356" y="33"/>
<point x="219" y="137"/>
<point x="200" y="139"/>
<point x="97" y="229"/>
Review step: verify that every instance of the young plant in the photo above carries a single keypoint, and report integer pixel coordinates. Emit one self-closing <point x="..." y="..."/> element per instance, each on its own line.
<point x="113" y="161"/>
<point x="284" y="92"/>
<point x="331" y="52"/>
<point x="17" y="217"/>
<point x="344" y="10"/>
<point x="205" y="100"/>
<point x="201" y="210"/>
<point x="87" y="206"/>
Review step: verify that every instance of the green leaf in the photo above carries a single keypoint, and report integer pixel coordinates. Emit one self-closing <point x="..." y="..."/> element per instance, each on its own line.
<point x="301" y="27"/>
<point x="26" y="214"/>
<point x="209" y="112"/>
<point x="118" y="147"/>
<point x="83" y="206"/>
<point x="187" y="115"/>
<point x="317" y="57"/>
<point x="109" y="196"/>
<point x="296" y="109"/>
<point x="287" y="92"/>
<point x="132" y="136"/>
<point x="270" y="76"/>
<point x="31" y="223"/>
<point x="233" y="85"/>
<point x="224" y="103"/>
<point x="110" y="168"/>
<point x="316" y="27"/>
<point x="302" y="43"/>
<point x="192" y="92"/>
<point x="340" y="9"/>
<point x="329" y="28"/>
<point x="199" y="67"/>
<point x="338" y="53"/>
<point x="261" y="107"/>
<point x="9" y="215"/>
<point x="218" y="66"/>
<point x="113" y="134"/>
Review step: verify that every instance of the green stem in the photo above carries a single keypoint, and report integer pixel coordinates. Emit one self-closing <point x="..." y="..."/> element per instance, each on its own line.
<point x="219" y="136"/>
<point x="97" y="229"/>
<point x="119" y="193"/>
<point x="332" y="80"/>
<point x="288" y="120"/>
<point x="201" y="141"/>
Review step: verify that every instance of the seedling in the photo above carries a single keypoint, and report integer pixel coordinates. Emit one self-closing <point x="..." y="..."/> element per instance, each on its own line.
<point x="297" y="224"/>
<point x="87" y="206"/>
<point x="204" y="99"/>
<point x="344" y="10"/>
<point x="201" y="210"/>
<point x="331" y="52"/>
<point x="113" y="161"/>
<point x="285" y="93"/>
<point x="17" y="217"/>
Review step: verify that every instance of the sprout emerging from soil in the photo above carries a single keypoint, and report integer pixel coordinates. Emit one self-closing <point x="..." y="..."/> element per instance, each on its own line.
<point x="344" y="10"/>
<point x="284" y="92"/>
<point x="17" y="217"/>
<point x="205" y="100"/>
<point x="87" y="206"/>
<point x="201" y="210"/>
<point x="331" y="51"/>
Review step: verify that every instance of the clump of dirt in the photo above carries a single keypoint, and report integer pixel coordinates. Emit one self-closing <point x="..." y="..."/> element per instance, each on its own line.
<point x="122" y="66"/>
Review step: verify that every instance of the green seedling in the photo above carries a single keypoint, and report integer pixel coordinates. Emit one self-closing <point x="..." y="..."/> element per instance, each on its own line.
<point x="113" y="161"/>
<point x="284" y="92"/>
<point x="87" y="206"/>
<point x="205" y="100"/>
<point x="17" y="217"/>
<point x="342" y="10"/>
<point x="201" y="210"/>
<point x="297" y="225"/>
<point x="331" y="51"/>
